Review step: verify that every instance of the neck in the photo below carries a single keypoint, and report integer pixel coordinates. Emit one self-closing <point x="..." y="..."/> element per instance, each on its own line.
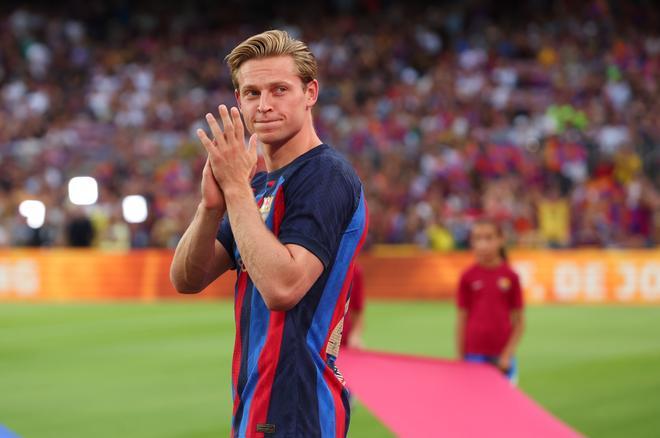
<point x="491" y="262"/>
<point x="279" y="155"/>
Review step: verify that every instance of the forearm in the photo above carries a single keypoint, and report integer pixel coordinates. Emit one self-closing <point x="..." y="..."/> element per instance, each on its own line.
<point x="194" y="256"/>
<point x="514" y="339"/>
<point x="460" y="341"/>
<point x="270" y="264"/>
<point x="460" y="335"/>
<point x="358" y="327"/>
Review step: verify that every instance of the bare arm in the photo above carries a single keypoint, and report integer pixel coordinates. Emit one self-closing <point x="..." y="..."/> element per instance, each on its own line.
<point x="199" y="258"/>
<point x="461" y="320"/>
<point x="518" y="327"/>
<point x="357" y="322"/>
<point x="282" y="273"/>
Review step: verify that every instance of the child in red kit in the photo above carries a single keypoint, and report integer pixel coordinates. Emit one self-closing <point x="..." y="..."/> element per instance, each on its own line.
<point x="490" y="303"/>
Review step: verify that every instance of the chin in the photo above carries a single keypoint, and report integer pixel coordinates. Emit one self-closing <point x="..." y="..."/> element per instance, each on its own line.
<point x="272" y="137"/>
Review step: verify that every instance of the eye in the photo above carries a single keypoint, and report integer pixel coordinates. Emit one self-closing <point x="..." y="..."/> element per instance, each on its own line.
<point x="251" y="93"/>
<point x="280" y="90"/>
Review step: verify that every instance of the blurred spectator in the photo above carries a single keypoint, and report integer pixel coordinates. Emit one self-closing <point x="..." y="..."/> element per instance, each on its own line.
<point x="554" y="219"/>
<point x="80" y="232"/>
<point x="548" y="121"/>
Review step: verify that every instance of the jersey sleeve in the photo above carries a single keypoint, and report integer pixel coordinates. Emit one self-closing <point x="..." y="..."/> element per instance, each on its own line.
<point x="226" y="237"/>
<point x="319" y="200"/>
<point x="516" y="301"/>
<point x="463" y="295"/>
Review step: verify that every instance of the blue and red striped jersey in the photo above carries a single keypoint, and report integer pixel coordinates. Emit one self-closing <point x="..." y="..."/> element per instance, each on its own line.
<point x="284" y="379"/>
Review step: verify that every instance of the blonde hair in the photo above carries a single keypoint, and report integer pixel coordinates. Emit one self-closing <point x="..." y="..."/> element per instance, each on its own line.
<point x="273" y="43"/>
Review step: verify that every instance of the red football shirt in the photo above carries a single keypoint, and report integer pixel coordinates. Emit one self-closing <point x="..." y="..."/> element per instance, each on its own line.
<point x="356" y="304"/>
<point x="489" y="295"/>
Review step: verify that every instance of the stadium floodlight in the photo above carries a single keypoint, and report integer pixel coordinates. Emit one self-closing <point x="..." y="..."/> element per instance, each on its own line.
<point x="34" y="212"/>
<point x="83" y="190"/>
<point x="134" y="209"/>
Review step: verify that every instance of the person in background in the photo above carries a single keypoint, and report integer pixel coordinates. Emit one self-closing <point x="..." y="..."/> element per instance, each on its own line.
<point x="554" y="218"/>
<point x="80" y="231"/>
<point x="354" y="319"/>
<point x="490" y="303"/>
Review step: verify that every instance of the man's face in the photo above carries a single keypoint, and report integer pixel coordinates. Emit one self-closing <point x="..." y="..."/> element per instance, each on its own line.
<point x="273" y="99"/>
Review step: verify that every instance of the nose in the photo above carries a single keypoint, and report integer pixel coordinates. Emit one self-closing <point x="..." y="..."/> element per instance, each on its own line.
<point x="264" y="103"/>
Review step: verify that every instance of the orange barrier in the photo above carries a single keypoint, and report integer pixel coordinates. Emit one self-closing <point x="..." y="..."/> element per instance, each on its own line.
<point x="579" y="276"/>
<point x="85" y="274"/>
<point x="590" y="276"/>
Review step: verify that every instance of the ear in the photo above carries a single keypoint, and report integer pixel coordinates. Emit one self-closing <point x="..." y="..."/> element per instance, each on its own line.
<point x="312" y="92"/>
<point x="237" y="95"/>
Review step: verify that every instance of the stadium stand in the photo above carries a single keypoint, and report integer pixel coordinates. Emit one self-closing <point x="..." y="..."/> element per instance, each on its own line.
<point x="548" y="121"/>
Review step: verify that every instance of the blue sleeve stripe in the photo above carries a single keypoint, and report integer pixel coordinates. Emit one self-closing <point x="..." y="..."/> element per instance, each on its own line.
<point x="320" y="326"/>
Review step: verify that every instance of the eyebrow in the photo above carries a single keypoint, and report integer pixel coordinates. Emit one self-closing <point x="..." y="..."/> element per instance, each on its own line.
<point x="267" y="85"/>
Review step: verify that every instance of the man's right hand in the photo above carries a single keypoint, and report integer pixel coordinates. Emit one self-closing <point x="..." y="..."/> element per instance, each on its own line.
<point x="213" y="199"/>
<point x="199" y="257"/>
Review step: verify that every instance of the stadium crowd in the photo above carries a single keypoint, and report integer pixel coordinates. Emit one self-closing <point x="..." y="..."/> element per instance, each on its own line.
<point x="548" y="122"/>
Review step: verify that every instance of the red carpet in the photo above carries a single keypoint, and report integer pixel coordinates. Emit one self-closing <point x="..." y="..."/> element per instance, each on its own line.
<point x="425" y="397"/>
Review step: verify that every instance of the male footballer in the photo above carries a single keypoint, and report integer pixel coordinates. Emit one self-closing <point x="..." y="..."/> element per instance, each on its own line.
<point x="291" y="233"/>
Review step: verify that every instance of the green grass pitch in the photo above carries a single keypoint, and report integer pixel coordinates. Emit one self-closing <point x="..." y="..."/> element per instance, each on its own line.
<point x="163" y="370"/>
